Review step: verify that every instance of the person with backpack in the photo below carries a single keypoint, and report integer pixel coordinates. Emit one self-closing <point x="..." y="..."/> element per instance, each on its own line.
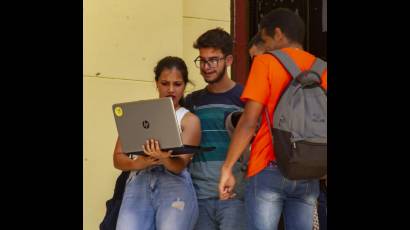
<point x="274" y="186"/>
<point x="159" y="193"/>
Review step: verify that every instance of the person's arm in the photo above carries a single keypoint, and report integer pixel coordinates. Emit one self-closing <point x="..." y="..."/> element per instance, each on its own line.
<point x="124" y="163"/>
<point x="240" y="139"/>
<point x="191" y="135"/>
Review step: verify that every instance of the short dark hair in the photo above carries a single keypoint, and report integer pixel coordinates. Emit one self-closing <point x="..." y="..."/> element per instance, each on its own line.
<point x="256" y="40"/>
<point x="216" y="38"/>
<point x="289" y="22"/>
<point x="170" y="62"/>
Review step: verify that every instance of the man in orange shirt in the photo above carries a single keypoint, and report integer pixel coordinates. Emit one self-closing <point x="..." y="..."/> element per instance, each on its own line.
<point x="269" y="192"/>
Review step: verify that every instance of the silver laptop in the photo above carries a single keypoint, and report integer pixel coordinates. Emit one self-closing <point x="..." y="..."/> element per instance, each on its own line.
<point x="139" y="121"/>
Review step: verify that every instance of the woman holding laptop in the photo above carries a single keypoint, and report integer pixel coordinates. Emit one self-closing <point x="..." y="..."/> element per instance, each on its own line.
<point x="159" y="193"/>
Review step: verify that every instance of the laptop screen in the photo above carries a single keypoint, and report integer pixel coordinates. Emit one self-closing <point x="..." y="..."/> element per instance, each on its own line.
<point x="139" y="121"/>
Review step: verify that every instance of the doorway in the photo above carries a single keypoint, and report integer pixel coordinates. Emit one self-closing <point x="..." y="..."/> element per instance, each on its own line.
<point x="245" y="18"/>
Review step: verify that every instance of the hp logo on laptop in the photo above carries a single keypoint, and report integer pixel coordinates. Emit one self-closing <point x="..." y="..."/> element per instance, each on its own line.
<point x="145" y="124"/>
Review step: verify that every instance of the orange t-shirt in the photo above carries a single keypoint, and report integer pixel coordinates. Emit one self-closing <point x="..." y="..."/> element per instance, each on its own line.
<point x="266" y="82"/>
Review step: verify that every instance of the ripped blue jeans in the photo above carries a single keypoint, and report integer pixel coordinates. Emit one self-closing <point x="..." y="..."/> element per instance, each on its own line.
<point x="158" y="199"/>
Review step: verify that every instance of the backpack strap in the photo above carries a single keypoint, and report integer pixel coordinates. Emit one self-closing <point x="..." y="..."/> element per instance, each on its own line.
<point x="319" y="66"/>
<point x="287" y="62"/>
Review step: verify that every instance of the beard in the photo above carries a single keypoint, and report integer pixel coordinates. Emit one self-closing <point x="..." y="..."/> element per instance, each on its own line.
<point x="219" y="76"/>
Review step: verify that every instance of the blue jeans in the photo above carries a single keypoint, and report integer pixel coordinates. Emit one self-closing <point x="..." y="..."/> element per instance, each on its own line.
<point x="215" y="214"/>
<point x="158" y="199"/>
<point x="269" y="193"/>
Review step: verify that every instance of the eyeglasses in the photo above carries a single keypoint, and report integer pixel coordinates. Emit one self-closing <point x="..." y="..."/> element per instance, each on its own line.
<point x="212" y="62"/>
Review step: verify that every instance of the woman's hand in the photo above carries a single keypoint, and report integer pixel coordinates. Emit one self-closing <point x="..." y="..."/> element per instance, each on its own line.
<point x="152" y="149"/>
<point x="125" y="163"/>
<point x="148" y="161"/>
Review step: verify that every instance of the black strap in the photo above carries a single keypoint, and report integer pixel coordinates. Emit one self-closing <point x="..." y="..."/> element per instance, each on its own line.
<point x="120" y="185"/>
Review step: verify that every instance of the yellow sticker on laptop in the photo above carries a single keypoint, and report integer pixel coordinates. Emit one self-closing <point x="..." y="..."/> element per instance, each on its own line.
<point x="118" y="111"/>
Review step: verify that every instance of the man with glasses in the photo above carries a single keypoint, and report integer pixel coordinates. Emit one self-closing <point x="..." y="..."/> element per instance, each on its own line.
<point x="212" y="104"/>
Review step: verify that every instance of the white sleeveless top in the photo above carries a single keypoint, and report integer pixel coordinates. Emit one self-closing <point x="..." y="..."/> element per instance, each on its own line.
<point x="180" y="113"/>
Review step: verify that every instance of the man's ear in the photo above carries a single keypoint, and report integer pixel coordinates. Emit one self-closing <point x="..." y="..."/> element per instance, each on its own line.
<point x="229" y="60"/>
<point x="278" y="35"/>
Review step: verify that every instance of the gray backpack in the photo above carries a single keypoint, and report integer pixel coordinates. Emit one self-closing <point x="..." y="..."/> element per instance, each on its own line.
<point x="299" y="129"/>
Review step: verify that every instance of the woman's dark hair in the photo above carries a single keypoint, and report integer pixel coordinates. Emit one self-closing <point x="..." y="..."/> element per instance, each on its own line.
<point x="169" y="63"/>
<point x="256" y="40"/>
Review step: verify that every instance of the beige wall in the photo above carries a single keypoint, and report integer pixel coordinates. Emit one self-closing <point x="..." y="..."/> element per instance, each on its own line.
<point x="122" y="41"/>
<point x="198" y="17"/>
<point x="123" y="38"/>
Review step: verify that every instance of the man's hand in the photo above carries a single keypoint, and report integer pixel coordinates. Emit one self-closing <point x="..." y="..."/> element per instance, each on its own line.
<point x="226" y="184"/>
